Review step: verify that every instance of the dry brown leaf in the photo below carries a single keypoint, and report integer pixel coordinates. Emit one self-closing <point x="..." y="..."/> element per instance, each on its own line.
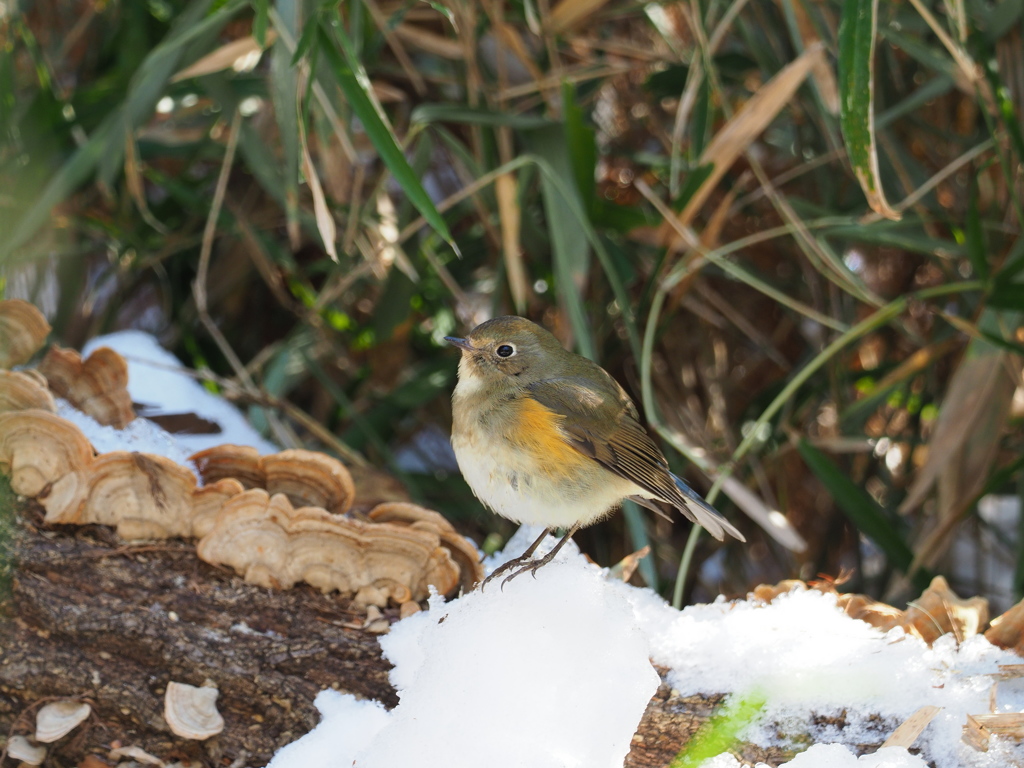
<point x="980" y="728"/>
<point x="136" y="185"/>
<point x="569" y="13"/>
<point x="912" y="727"/>
<point x="428" y="42"/>
<point x="387" y="93"/>
<point x="321" y="211"/>
<point x="224" y="57"/>
<point x="824" y="77"/>
<point x="749" y="122"/>
<point x="508" y="212"/>
<point x="626" y="567"/>
<point x="968" y="429"/>
<point x="772" y="521"/>
<point x="511" y="39"/>
<point x="1007" y="630"/>
<point x="939" y="610"/>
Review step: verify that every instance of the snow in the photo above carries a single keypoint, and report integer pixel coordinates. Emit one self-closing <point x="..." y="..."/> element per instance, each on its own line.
<point x="807" y="658"/>
<point x="556" y="671"/>
<point x="549" y="672"/>
<point x="156" y="380"/>
<point x="835" y="756"/>
<point x="141" y="435"/>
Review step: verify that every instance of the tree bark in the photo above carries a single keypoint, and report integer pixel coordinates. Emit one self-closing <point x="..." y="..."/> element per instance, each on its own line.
<point x="91" y="617"/>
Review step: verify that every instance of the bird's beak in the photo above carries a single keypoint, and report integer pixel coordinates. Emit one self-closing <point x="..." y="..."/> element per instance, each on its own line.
<point x="460" y="343"/>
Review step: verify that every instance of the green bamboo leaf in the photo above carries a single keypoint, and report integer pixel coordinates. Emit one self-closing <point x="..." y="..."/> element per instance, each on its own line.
<point x="104" y="150"/>
<point x="857" y="97"/>
<point x="861" y="509"/>
<point x="456" y="113"/>
<point x="356" y="87"/>
<point x="1013" y="264"/>
<point x="284" y="90"/>
<point x="581" y="146"/>
<point x="897" y="235"/>
<point x="975" y="236"/>
<point x="1006" y="295"/>
<point x="571" y="253"/>
<point x="261" y="21"/>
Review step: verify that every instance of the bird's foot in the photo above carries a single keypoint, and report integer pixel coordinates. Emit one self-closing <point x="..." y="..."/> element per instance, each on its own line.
<point x="532" y="567"/>
<point x="515" y="562"/>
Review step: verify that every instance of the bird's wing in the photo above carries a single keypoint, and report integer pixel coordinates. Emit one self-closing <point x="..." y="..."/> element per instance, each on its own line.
<point x="621" y="444"/>
<point x="617" y="440"/>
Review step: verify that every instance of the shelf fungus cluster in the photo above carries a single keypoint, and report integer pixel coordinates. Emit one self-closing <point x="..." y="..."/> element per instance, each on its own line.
<point x="398" y="555"/>
<point x="274" y="544"/>
<point x="23" y="331"/>
<point x="278" y="520"/>
<point x="21" y="390"/>
<point x="307" y="478"/>
<point x="97" y="385"/>
<point x="54" y="721"/>
<point x="191" y="712"/>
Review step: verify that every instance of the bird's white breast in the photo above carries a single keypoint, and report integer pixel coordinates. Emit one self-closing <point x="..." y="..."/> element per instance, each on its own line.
<point x="512" y="483"/>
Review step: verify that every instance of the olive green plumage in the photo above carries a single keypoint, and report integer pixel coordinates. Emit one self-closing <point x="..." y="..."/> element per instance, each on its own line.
<point x="545" y="436"/>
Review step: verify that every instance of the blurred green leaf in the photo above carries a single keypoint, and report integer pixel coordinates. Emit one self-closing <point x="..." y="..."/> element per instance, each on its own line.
<point x="581" y="146"/>
<point x="456" y="113"/>
<point x="905" y="235"/>
<point x="722" y="732"/>
<point x="639" y="538"/>
<point x="694" y="179"/>
<point x="856" y="97"/>
<point x="284" y="94"/>
<point x="104" y="149"/>
<point x="1006" y="295"/>
<point x="356" y="85"/>
<point x="571" y="252"/>
<point x="863" y="512"/>
<point x="974" y="235"/>
<point x="261" y="20"/>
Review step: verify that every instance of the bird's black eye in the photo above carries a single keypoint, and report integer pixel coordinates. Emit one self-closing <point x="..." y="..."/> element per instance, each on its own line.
<point x="505" y="350"/>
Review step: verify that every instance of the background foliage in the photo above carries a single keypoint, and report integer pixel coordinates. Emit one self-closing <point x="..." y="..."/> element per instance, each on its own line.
<point x="792" y="228"/>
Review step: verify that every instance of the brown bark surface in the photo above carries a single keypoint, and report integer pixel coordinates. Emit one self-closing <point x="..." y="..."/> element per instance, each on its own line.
<point x="89" y="616"/>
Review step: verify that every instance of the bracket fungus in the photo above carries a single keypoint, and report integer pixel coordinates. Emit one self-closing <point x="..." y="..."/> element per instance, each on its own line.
<point x="23" y="330"/>
<point x="241" y="462"/>
<point x="192" y="712"/>
<point x="21" y="390"/>
<point x="59" y="718"/>
<point x="272" y="544"/>
<point x="97" y="385"/>
<point x="311" y="478"/>
<point x="21" y="749"/>
<point x="37" y="448"/>
<point x="307" y="478"/>
<point x="208" y="501"/>
<point x="462" y="550"/>
<point x="144" y="496"/>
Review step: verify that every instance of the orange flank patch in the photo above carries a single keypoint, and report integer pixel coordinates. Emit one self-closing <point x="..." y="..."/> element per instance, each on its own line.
<point x="536" y="431"/>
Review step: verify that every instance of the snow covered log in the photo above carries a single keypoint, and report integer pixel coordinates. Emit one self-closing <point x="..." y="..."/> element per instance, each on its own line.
<point x="89" y="616"/>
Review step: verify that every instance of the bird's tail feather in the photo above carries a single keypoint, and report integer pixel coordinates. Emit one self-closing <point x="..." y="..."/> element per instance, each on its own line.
<point x="702" y="513"/>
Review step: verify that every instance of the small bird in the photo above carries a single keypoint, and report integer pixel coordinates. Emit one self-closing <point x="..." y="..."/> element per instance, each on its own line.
<point x="545" y="436"/>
